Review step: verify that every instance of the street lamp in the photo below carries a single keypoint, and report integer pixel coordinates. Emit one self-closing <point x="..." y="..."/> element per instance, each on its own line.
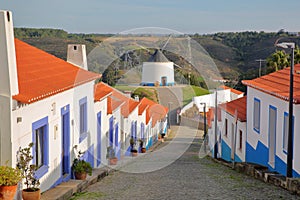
<point x="289" y="162"/>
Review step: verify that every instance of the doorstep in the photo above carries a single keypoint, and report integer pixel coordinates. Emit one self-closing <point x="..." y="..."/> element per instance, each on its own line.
<point x="66" y="190"/>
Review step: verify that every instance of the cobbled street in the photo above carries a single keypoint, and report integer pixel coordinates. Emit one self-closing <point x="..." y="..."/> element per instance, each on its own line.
<point x="189" y="177"/>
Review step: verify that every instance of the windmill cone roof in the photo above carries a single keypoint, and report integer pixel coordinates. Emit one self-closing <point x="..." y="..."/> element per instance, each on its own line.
<point x="158" y="56"/>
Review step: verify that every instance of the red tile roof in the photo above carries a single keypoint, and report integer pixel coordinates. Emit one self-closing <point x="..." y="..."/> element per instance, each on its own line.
<point x="113" y="104"/>
<point x="210" y="116"/>
<point x="277" y="84"/>
<point x="154" y="111"/>
<point x="231" y="89"/>
<point x="239" y="105"/>
<point x="41" y="75"/>
<point x="129" y="104"/>
<point x="101" y="90"/>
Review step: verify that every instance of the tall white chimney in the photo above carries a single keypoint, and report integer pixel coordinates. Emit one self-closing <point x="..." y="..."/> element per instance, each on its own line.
<point x="8" y="85"/>
<point x="8" y="66"/>
<point x="77" y="55"/>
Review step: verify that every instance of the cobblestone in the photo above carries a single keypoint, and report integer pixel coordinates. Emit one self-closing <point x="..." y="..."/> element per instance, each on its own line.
<point x="189" y="177"/>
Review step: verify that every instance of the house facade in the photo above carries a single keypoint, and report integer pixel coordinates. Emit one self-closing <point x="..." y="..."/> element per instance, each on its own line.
<point x="267" y="120"/>
<point x="56" y="105"/>
<point x="233" y="130"/>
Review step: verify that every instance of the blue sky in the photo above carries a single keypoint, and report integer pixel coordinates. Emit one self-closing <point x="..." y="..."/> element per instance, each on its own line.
<point x="189" y="16"/>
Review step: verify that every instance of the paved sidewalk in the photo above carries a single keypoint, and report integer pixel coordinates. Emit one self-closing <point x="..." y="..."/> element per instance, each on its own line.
<point x="189" y="177"/>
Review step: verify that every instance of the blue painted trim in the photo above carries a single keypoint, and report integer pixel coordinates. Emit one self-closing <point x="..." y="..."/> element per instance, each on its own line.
<point x="90" y="155"/>
<point x="66" y="166"/>
<point x="280" y="167"/>
<point x="260" y="155"/>
<point x="142" y="131"/>
<point x="36" y="125"/>
<point x="111" y="131"/>
<point x="116" y="134"/>
<point x="99" y="138"/>
<point x="57" y="182"/>
<point x="83" y="125"/>
<point x="286" y="122"/>
<point x="256" y="129"/>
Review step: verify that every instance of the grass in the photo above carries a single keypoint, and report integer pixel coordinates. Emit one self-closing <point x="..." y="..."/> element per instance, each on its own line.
<point x="124" y="88"/>
<point x="190" y="91"/>
<point x="148" y="92"/>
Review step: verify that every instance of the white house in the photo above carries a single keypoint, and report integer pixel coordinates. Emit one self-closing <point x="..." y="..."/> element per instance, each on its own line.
<point x="267" y="120"/>
<point x="158" y="69"/>
<point x="47" y="101"/>
<point x="233" y="130"/>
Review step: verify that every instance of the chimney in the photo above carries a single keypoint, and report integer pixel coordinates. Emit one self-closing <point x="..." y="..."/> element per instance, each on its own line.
<point x="8" y="66"/>
<point x="77" y="55"/>
<point x="8" y="85"/>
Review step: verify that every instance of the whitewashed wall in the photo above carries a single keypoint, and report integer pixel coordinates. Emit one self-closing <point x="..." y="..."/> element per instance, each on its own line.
<point x="22" y="131"/>
<point x="228" y="139"/>
<point x="282" y="106"/>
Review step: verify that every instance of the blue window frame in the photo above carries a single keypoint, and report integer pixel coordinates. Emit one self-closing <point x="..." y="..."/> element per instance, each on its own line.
<point x="40" y="149"/>
<point x="83" y="119"/>
<point x="256" y="115"/>
<point x="286" y="131"/>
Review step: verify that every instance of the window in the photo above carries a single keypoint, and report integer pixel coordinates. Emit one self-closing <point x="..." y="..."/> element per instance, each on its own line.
<point x="286" y="131"/>
<point x="40" y="149"/>
<point x="83" y="118"/>
<point x="256" y="115"/>
<point x="226" y="127"/>
<point x="241" y="139"/>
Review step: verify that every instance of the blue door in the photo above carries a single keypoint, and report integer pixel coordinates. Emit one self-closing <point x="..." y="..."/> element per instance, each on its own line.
<point x="111" y="131"/>
<point x="65" y="163"/>
<point x="98" y="139"/>
<point x="117" y="150"/>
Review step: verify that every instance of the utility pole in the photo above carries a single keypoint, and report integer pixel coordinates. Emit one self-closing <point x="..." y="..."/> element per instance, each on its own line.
<point x="216" y="125"/>
<point x="260" y="60"/>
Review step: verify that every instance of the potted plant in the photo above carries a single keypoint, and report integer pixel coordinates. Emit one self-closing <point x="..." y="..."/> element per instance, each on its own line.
<point x="9" y="179"/>
<point x="111" y="156"/>
<point x="81" y="168"/>
<point x="24" y="160"/>
<point x="133" y="150"/>
<point x="143" y="149"/>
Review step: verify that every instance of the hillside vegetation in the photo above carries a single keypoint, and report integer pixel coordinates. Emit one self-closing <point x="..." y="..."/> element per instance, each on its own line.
<point x="235" y="54"/>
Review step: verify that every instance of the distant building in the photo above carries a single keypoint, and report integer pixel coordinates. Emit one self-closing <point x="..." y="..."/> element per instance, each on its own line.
<point x="158" y="70"/>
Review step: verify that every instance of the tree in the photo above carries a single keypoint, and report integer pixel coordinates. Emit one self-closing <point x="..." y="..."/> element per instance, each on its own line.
<point x="278" y="60"/>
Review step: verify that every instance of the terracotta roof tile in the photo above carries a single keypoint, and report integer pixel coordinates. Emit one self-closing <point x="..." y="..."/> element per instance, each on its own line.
<point x="113" y="104"/>
<point x="101" y="90"/>
<point x="239" y="105"/>
<point x="41" y="74"/>
<point x="210" y="115"/>
<point x="277" y="84"/>
<point x="154" y="111"/>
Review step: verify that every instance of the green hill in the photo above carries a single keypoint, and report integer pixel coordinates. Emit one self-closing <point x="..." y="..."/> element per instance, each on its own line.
<point x="235" y="54"/>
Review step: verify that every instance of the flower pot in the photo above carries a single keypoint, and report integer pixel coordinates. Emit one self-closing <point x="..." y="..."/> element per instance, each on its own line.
<point x="31" y="195"/>
<point x="7" y="192"/>
<point x="80" y="175"/>
<point x="113" y="161"/>
<point x="143" y="150"/>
